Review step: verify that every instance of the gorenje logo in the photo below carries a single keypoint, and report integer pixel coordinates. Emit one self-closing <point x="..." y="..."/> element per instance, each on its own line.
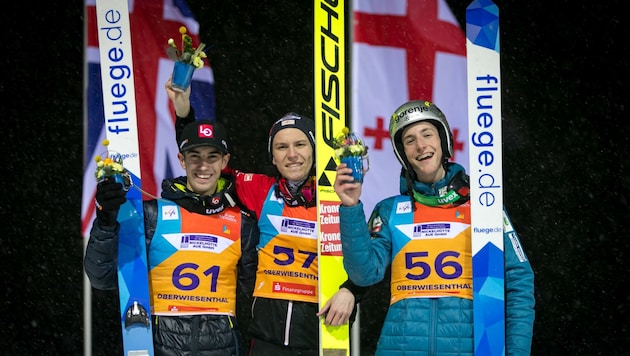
<point x="205" y="131"/>
<point x="415" y="109"/>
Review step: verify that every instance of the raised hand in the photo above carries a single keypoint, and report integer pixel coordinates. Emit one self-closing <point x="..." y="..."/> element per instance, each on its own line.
<point x="348" y="192"/>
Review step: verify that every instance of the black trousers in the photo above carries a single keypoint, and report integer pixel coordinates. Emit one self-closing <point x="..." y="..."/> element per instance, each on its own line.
<point x="263" y="348"/>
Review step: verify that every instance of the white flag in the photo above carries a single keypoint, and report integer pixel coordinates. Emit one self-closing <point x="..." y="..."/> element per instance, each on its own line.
<point x="404" y="50"/>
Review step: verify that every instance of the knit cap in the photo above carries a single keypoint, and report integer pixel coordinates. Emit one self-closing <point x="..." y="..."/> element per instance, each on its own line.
<point x="296" y="121"/>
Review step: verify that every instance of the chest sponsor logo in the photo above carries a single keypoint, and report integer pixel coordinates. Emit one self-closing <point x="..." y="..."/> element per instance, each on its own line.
<point x="198" y="242"/>
<point x="294" y="227"/>
<point x="434" y="230"/>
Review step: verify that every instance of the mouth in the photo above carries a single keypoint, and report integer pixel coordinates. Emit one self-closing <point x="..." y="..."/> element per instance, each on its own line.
<point x="203" y="176"/>
<point x="425" y="157"/>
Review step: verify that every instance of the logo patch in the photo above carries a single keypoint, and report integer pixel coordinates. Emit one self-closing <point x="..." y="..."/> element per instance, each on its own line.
<point x="403" y="207"/>
<point x="170" y="213"/>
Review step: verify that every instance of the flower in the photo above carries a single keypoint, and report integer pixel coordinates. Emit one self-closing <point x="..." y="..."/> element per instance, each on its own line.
<point x="109" y="166"/>
<point x="188" y="53"/>
<point x="346" y="144"/>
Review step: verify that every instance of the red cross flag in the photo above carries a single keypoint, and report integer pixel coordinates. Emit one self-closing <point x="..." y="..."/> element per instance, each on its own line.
<point x="404" y="50"/>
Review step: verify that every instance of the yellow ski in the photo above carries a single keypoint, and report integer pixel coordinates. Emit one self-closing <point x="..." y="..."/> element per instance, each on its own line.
<point x="330" y="118"/>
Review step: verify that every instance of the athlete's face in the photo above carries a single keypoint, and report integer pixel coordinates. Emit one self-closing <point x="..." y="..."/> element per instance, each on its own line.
<point x="292" y="154"/>
<point x="203" y="167"/>
<point x="423" y="150"/>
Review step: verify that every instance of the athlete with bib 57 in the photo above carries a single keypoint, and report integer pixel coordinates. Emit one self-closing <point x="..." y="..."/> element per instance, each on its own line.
<point x="285" y="312"/>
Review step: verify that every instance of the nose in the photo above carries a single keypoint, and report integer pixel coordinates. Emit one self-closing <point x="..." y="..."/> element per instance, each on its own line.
<point x="205" y="162"/>
<point x="291" y="152"/>
<point x="203" y="166"/>
<point x="420" y="144"/>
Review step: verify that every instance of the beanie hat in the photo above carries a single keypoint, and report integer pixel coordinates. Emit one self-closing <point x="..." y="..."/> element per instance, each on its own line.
<point x="296" y="121"/>
<point x="203" y="133"/>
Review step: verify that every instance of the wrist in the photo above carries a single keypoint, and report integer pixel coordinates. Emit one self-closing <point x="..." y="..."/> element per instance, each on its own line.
<point x="182" y="112"/>
<point x="106" y="218"/>
<point x="350" y="204"/>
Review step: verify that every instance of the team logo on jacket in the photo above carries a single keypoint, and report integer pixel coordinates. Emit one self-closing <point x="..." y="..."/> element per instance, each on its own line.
<point x="170" y="212"/>
<point x="403" y="207"/>
<point x="375" y="223"/>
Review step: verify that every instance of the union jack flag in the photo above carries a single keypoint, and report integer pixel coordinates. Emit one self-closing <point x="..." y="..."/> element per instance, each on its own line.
<point x="152" y="23"/>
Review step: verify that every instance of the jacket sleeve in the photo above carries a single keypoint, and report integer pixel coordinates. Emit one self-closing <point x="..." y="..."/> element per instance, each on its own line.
<point x="101" y="256"/>
<point x="358" y="292"/>
<point x="181" y="122"/>
<point x="248" y="263"/>
<point x="366" y="254"/>
<point x="519" y="294"/>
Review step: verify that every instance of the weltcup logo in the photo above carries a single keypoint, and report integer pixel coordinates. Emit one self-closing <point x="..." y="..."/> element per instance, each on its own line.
<point x="205" y="130"/>
<point x="403" y="207"/>
<point x="170" y="213"/>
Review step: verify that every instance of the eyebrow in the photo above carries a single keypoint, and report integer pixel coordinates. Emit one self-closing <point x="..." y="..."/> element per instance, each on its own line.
<point x="289" y="142"/>
<point x="421" y="131"/>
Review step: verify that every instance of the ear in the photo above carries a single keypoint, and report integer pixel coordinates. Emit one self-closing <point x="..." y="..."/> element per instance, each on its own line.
<point x="226" y="160"/>
<point x="182" y="163"/>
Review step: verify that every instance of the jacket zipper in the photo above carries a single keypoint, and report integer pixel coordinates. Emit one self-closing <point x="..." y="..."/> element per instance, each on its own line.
<point x="433" y="326"/>
<point x="287" y="325"/>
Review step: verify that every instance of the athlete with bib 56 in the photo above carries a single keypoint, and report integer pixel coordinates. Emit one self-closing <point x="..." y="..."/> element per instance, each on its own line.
<point x="424" y="235"/>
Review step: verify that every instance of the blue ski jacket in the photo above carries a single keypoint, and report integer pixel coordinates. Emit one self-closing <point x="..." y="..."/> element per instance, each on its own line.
<point x="432" y="326"/>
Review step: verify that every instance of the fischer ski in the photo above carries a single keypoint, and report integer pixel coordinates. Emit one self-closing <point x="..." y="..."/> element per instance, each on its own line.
<point x="330" y="119"/>
<point x="486" y="175"/>
<point x="119" y="104"/>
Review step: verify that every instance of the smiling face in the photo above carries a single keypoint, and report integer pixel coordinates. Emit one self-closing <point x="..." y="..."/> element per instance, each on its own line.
<point x="292" y="154"/>
<point x="203" y="167"/>
<point x="423" y="151"/>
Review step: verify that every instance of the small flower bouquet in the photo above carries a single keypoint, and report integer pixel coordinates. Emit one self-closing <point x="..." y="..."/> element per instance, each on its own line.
<point x="346" y="144"/>
<point x="349" y="149"/>
<point x="111" y="167"/>
<point x="186" y="60"/>
<point x="188" y="53"/>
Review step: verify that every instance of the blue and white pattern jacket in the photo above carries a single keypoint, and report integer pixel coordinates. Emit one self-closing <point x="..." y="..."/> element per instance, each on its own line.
<point x="433" y="326"/>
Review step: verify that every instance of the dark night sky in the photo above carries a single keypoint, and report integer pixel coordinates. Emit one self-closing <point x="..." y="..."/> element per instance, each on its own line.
<point x="566" y="76"/>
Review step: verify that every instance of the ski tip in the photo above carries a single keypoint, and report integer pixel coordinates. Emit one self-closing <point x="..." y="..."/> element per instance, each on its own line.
<point x="482" y="24"/>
